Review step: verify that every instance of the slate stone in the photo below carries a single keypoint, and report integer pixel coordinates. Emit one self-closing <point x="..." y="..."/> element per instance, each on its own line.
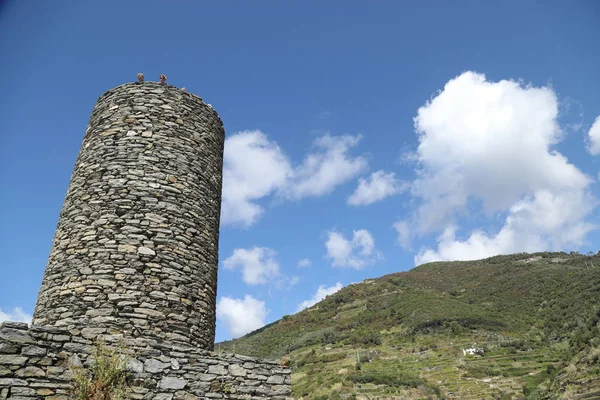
<point x="21" y="391"/>
<point x="163" y="396"/>
<point x="172" y="383"/>
<point x="15" y="325"/>
<point x="10" y="382"/>
<point x="32" y="351"/>
<point x="9" y="348"/>
<point x="135" y="366"/>
<point x="275" y="379"/>
<point x="217" y="370"/>
<point x="30" y="372"/>
<point x="154" y="366"/>
<point x="10" y="359"/>
<point x="237" y="370"/>
<point x="13" y="335"/>
<point x="75" y="361"/>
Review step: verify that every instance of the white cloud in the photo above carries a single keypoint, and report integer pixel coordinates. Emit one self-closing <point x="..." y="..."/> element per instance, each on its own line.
<point x="258" y="264"/>
<point x="292" y="280"/>
<point x="594" y="137"/>
<point x="487" y="140"/>
<point x="241" y="315"/>
<point x="491" y="142"/>
<point x="545" y="221"/>
<point x="255" y="167"/>
<point x="379" y="186"/>
<point x="356" y="253"/>
<point x="286" y="282"/>
<point x="321" y="293"/>
<point x="404" y="233"/>
<point x="328" y="166"/>
<point x="16" y="315"/>
<point x="305" y="262"/>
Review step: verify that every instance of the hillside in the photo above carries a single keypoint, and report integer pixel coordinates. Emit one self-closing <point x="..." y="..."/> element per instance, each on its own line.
<point x="534" y="318"/>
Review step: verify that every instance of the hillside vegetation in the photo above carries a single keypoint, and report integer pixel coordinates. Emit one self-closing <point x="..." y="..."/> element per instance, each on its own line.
<point x="533" y="318"/>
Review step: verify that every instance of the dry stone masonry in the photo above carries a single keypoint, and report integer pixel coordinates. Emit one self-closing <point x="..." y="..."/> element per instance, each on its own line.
<point x="136" y="245"/>
<point x="34" y="364"/>
<point x="134" y="259"/>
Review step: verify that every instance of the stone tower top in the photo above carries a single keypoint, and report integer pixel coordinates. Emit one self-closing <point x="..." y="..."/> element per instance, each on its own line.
<point x="136" y="246"/>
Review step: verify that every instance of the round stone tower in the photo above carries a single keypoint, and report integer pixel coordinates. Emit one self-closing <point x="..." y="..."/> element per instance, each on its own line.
<point x="136" y="247"/>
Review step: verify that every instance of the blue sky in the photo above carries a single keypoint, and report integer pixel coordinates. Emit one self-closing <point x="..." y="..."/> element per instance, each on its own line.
<point x="362" y="137"/>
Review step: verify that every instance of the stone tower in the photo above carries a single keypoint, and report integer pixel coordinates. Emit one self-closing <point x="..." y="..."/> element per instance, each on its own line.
<point x="134" y="260"/>
<point x="136" y="247"/>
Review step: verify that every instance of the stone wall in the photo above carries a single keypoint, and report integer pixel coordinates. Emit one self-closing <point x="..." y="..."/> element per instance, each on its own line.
<point x="136" y="247"/>
<point x="34" y="364"/>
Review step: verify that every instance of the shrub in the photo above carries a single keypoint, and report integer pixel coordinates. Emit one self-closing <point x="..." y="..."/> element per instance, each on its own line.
<point x="367" y="337"/>
<point x="532" y="393"/>
<point x="106" y="378"/>
<point x="392" y="380"/>
<point x="326" y="358"/>
<point x="366" y="356"/>
<point x="480" y="371"/>
<point x="331" y="337"/>
<point x="312" y="358"/>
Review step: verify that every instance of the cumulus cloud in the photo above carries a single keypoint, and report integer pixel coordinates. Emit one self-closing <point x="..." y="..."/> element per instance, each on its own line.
<point x="255" y="167"/>
<point x="328" y="166"/>
<point x="404" y="233"/>
<point x="241" y="315"/>
<point x="258" y="264"/>
<point x="377" y="187"/>
<point x="286" y="282"/>
<point x="544" y="221"/>
<point x="16" y="315"/>
<point x="356" y="253"/>
<point x="305" y="262"/>
<point x="321" y="293"/>
<point x="594" y="137"/>
<point x="492" y="142"/>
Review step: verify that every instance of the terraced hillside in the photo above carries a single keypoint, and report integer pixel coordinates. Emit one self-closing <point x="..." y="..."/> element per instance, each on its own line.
<point x="530" y="319"/>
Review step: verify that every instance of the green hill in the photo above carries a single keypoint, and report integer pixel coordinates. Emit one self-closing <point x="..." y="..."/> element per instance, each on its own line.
<point x="534" y="318"/>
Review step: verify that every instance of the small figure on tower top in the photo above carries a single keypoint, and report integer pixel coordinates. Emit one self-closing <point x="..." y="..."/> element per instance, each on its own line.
<point x="163" y="78"/>
<point x="140" y="77"/>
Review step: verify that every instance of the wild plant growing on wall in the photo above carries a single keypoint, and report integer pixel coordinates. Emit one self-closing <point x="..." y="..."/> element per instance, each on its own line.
<point x="105" y="379"/>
